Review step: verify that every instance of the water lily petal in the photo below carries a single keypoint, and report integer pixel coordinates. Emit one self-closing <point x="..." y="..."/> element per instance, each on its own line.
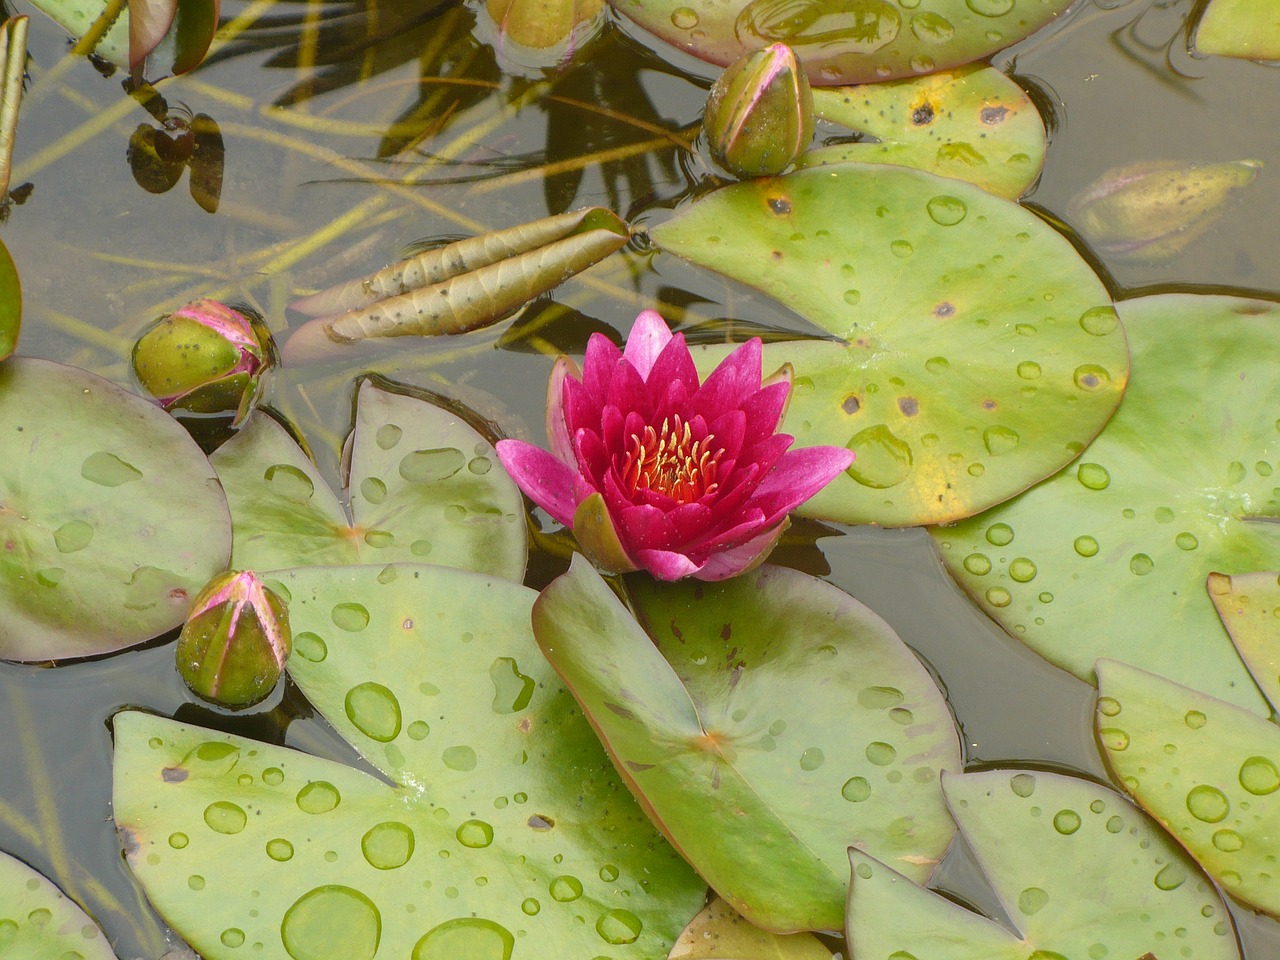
<point x="674" y="366"/>
<point x="665" y="564"/>
<point x="648" y="338"/>
<point x="740" y="559"/>
<point x="547" y="481"/>
<point x="769" y="452"/>
<point x="557" y="430"/>
<point x="729" y="384"/>
<point x="799" y="475"/>
<point x="591" y="456"/>
<point x="626" y="391"/>
<point x="729" y="431"/>
<point x="598" y="365"/>
<point x="764" y="409"/>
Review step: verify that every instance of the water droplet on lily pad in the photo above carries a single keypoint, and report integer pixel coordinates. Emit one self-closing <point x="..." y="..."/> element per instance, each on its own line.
<point x="880" y="753"/>
<point x="1208" y="804"/>
<point x="472" y="938"/>
<point x="1108" y="706"/>
<point x="565" y="889"/>
<point x="1032" y="900"/>
<point x="310" y="647"/>
<point x="461" y="758"/>
<point x="1194" y="719"/>
<point x="1029" y="370"/>
<point x="387" y="845"/>
<point x="475" y="834"/>
<point x="1022" y="784"/>
<point x="943" y="210"/>
<point x="223" y="816"/>
<point x="1022" y="570"/>
<point x="978" y="564"/>
<point x="883" y="459"/>
<point x="1228" y="841"/>
<point x="1098" y="321"/>
<point x="618" y="927"/>
<point x="318" y="796"/>
<point x="374" y="710"/>
<point x="352" y="617"/>
<point x="1259" y="776"/>
<point x="1114" y="738"/>
<point x="684" y="18"/>
<point x="999" y="597"/>
<point x="430" y="466"/>
<point x="108" y="470"/>
<point x="512" y="690"/>
<point x="373" y="489"/>
<point x="279" y="849"/>
<point x="1186" y="541"/>
<point x="530" y="907"/>
<point x="856" y="789"/>
<point x="1066" y="822"/>
<point x="332" y="921"/>
<point x="178" y="840"/>
<point x="289" y="482"/>
<point x="1086" y="546"/>
<point x="999" y="440"/>
<point x="232" y="937"/>
<point x="1000" y="534"/>
<point x="72" y="536"/>
<point x="811" y="759"/>
<point x="1094" y="476"/>
<point x="1171" y="876"/>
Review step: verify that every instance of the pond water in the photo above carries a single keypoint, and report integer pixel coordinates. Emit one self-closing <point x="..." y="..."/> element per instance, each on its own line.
<point x="352" y="129"/>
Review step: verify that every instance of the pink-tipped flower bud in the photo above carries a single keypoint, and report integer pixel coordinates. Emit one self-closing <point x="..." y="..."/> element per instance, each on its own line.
<point x="235" y="642"/>
<point x="759" y="116"/>
<point x="203" y="360"/>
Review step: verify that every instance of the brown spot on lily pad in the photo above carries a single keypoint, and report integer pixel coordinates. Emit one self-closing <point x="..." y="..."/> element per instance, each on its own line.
<point x="988" y="404"/>
<point x="923" y="115"/>
<point x="993" y="115"/>
<point x="776" y="254"/>
<point x="779" y="205"/>
<point x="851" y="404"/>
<point x="174" y="774"/>
<point x="944" y="310"/>
<point x="540" y="822"/>
<point x="909" y="406"/>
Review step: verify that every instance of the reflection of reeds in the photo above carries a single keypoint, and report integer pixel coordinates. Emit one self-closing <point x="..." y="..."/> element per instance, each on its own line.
<point x="13" y="60"/>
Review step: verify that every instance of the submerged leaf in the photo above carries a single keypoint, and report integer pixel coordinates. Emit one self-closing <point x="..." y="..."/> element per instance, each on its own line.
<point x="1205" y="769"/>
<point x="423" y="486"/>
<point x="459" y="287"/>
<point x="1078" y="870"/>
<point x="978" y="352"/>
<point x="785" y="723"/>
<point x="111" y="518"/>
<point x="13" y="63"/>
<point x="505" y="823"/>
<point x="39" y="922"/>
<point x="1109" y="557"/>
<point x="846" y="41"/>
<point x="972" y="123"/>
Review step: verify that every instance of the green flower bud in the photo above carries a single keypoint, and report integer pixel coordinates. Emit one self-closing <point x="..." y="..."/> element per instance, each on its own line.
<point x="759" y="117"/>
<point x="203" y="360"/>
<point x="235" y="642"/>
<point x="1153" y="211"/>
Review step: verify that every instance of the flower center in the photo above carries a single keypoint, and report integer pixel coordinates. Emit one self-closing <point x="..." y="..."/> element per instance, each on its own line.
<point x="671" y="462"/>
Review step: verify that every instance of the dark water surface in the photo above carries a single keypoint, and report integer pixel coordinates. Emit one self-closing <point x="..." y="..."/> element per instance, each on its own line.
<point x="99" y="257"/>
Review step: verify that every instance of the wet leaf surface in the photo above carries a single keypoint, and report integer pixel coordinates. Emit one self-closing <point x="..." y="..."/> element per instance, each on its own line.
<point x="1078" y="870"/>
<point x="424" y="487"/>
<point x="505" y="825"/>
<point x="1239" y="28"/>
<point x="978" y="352"/>
<point x="39" y="922"/>
<point x="972" y="123"/>
<point x="1205" y="769"/>
<point x="846" y="41"/>
<point x="785" y="723"/>
<point x="10" y="304"/>
<point x="1249" y="606"/>
<point x="111" y="518"/>
<point x="1109" y="558"/>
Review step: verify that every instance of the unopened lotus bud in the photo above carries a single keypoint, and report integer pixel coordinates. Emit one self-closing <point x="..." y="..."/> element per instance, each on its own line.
<point x="204" y="360"/>
<point x="235" y="642"/>
<point x="759" y="117"/>
<point x="1153" y="211"/>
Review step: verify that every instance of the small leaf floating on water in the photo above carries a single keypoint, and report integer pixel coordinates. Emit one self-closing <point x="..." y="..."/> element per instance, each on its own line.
<point x="457" y="288"/>
<point x="13" y="59"/>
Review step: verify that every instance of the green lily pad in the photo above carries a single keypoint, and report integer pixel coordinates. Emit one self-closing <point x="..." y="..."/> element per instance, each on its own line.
<point x="1207" y="770"/>
<point x="1078" y="870"/>
<point x="38" y="922"/>
<point x="1239" y="28"/>
<point x="972" y="123"/>
<point x="846" y="41"/>
<point x="10" y="304"/>
<point x="424" y="486"/>
<point x="978" y="353"/>
<point x="505" y="825"/>
<point x="786" y="722"/>
<point x="110" y="516"/>
<point x="1249" y="606"/>
<point x="719" y="931"/>
<point x="1109" y="558"/>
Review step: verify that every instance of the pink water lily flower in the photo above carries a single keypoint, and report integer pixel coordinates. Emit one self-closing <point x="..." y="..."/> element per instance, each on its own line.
<point x="655" y="471"/>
